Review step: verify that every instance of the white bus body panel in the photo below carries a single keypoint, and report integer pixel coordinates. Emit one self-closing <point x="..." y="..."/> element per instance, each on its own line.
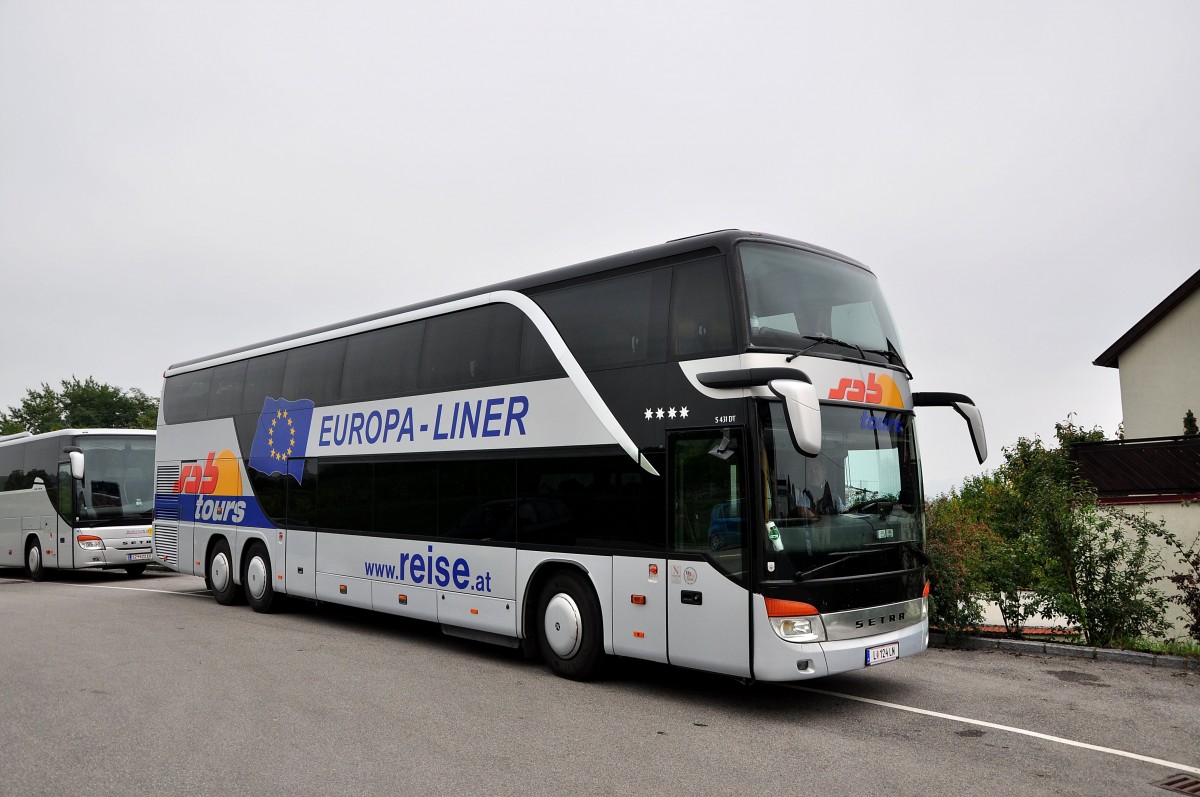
<point x="640" y="630"/>
<point x="723" y="613"/>
<point x="299" y="564"/>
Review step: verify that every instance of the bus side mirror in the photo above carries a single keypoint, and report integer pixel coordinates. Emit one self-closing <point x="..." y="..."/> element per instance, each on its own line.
<point x="803" y="412"/>
<point x="964" y="407"/>
<point x="76" y="457"/>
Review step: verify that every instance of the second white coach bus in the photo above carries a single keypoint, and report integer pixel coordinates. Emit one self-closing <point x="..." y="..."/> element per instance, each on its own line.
<point x="700" y="453"/>
<point x="77" y="499"/>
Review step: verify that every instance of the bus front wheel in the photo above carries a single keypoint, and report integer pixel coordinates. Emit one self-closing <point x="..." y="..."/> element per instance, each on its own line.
<point x="35" y="569"/>
<point x="220" y="575"/>
<point x="570" y="631"/>
<point x="256" y="578"/>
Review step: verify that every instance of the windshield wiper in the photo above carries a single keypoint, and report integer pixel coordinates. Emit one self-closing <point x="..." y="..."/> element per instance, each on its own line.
<point x="845" y="556"/>
<point x="916" y="551"/>
<point x="892" y="356"/>
<point x="817" y="340"/>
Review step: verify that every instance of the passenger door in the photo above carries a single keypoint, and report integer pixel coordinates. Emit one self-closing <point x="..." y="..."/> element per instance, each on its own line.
<point x="708" y="604"/>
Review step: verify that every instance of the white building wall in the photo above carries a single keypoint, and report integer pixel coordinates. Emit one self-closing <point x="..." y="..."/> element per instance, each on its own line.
<point x="1183" y="520"/>
<point x="1160" y="374"/>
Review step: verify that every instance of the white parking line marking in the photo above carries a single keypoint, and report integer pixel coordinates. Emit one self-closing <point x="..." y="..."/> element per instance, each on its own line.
<point x="1009" y="728"/>
<point x="196" y="594"/>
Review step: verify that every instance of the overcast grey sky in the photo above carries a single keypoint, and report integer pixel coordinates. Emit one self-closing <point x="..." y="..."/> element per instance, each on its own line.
<point x="177" y="178"/>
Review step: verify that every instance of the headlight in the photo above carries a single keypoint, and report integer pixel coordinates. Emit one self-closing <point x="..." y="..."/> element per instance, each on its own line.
<point x="799" y="629"/>
<point x="89" y="543"/>
<point x="795" y="621"/>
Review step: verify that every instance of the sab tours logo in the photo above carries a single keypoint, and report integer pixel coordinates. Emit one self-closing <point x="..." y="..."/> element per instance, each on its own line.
<point x="880" y="390"/>
<point x="215" y="487"/>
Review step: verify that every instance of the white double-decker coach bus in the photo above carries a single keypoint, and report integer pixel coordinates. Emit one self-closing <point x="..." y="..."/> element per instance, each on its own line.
<point x="700" y="453"/>
<point x="76" y="498"/>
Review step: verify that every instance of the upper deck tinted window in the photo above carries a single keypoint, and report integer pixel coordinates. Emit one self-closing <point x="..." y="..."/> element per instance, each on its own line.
<point x="701" y="310"/>
<point x="315" y="372"/>
<point x="382" y="362"/>
<point x="264" y="378"/>
<point x="473" y="346"/>
<point x="186" y="397"/>
<point x="614" y="322"/>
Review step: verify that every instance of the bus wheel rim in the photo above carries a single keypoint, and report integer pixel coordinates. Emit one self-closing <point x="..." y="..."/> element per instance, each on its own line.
<point x="35" y="559"/>
<point x="256" y="577"/>
<point x="220" y="572"/>
<point x="564" y="629"/>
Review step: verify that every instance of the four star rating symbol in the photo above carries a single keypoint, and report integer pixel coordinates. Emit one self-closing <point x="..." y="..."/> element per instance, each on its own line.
<point x="660" y="413"/>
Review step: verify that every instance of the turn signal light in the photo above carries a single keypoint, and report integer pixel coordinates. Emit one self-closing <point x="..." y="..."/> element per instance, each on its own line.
<point x="637" y="600"/>
<point x="925" y="592"/>
<point x="777" y="607"/>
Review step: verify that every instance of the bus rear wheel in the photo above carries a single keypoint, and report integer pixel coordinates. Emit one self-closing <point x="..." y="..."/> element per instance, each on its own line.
<point x="219" y="575"/>
<point x="570" y="631"/>
<point x="256" y="579"/>
<point x="35" y="569"/>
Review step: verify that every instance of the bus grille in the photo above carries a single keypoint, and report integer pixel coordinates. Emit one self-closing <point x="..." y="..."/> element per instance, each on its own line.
<point x="166" y="500"/>
<point x="166" y="542"/>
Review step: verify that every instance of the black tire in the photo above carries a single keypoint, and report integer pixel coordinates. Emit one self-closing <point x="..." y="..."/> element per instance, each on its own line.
<point x="135" y="570"/>
<point x="256" y="579"/>
<point x="218" y="574"/>
<point x="570" y="630"/>
<point x="35" y="566"/>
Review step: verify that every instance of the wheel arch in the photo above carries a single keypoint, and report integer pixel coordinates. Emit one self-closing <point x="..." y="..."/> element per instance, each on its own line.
<point x="542" y="573"/>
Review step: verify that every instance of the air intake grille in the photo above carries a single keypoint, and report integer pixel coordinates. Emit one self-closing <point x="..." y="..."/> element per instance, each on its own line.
<point x="166" y="500"/>
<point x="166" y="542"/>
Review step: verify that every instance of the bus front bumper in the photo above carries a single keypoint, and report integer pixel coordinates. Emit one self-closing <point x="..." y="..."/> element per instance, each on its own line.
<point x="776" y="659"/>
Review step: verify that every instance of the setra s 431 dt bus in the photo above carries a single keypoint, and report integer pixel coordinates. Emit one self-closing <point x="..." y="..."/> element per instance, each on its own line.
<point x="701" y="453"/>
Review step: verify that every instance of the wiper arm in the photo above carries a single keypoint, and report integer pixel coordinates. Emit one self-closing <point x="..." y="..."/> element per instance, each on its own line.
<point x="817" y="340"/>
<point x="892" y="356"/>
<point x="909" y="544"/>
<point x="844" y="554"/>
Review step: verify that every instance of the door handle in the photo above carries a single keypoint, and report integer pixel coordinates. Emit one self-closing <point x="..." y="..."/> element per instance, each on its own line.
<point x="691" y="597"/>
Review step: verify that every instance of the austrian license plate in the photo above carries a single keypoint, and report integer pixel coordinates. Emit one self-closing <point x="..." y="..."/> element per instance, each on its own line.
<point x="882" y="653"/>
<point x="140" y="557"/>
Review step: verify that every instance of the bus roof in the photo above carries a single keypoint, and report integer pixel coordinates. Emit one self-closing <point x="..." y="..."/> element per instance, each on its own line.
<point x="718" y="242"/>
<point x="25" y="437"/>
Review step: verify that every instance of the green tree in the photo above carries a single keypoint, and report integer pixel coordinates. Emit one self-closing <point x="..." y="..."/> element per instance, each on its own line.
<point x="958" y="541"/>
<point x="1189" y="425"/>
<point x="81" y="404"/>
<point x="1035" y="540"/>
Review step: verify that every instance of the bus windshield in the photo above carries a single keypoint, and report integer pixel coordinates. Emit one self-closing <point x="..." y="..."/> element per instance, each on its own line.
<point x="796" y="299"/>
<point x="118" y="484"/>
<point x="861" y="495"/>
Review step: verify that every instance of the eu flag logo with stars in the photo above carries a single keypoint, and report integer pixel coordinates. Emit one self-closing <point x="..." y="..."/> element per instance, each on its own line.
<point x="281" y="437"/>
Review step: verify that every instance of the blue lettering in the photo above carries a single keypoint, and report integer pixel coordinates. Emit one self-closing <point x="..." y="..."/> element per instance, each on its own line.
<point x="471" y="418"/>
<point x="406" y="428"/>
<point x="438" y="434"/>
<point x="514" y="416"/>
<point x="492" y="415"/>
<point x="462" y="574"/>
<point x="403" y="562"/>
<point x="356" y="426"/>
<point x="443" y="571"/>
<point x="339" y="431"/>
<point x="373" y="437"/>
<point x="323" y="440"/>
<point x="416" y="570"/>
<point x="392" y="422"/>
